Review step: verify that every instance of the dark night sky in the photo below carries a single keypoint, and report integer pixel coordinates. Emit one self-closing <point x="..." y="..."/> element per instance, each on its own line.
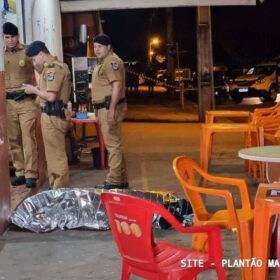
<point x="241" y="35"/>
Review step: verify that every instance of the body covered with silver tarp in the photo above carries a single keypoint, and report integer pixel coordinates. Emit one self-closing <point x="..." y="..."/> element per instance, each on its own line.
<point x="80" y="208"/>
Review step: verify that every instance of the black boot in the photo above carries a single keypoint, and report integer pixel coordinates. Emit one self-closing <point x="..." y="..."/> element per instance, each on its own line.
<point x="18" y="180"/>
<point x="31" y="182"/>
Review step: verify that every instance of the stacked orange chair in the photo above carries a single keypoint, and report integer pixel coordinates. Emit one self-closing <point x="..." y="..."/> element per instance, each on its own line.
<point x="267" y="206"/>
<point x="269" y="123"/>
<point x="131" y="223"/>
<point x="237" y="219"/>
<point x="266" y="119"/>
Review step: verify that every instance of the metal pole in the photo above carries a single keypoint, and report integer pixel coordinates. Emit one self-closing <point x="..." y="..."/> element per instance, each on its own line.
<point x="5" y="195"/>
<point x="182" y="94"/>
<point x="170" y="43"/>
<point x="177" y="55"/>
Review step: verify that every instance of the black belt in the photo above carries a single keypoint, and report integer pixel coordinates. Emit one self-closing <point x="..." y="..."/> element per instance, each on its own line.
<point x="18" y="95"/>
<point x="44" y="109"/>
<point x="104" y="104"/>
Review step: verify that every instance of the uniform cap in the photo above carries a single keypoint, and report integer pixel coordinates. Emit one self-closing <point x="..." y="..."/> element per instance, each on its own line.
<point x="10" y="29"/>
<point x="34" y="48"/>
<point x="102" y="39"/>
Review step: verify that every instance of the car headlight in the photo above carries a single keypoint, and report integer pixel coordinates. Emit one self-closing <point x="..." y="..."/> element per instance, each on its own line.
<point x="260" y="81"/>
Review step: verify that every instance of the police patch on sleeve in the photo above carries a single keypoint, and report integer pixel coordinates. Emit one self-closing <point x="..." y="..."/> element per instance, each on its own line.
<point x="50" y="76"/>
<point x="21" y="62"/>
<point x="115" y="66"/>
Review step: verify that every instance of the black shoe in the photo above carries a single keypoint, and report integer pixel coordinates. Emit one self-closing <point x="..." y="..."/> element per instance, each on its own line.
<point x="18" y="180"/>
<point x="31" y="183"/>
<point x="109" y="186"/>
<point x="125" y="186"/>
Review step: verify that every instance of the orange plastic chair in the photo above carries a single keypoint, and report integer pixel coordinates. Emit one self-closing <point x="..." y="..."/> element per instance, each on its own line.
<point x="261" y="113"/>
<point x="267" y="205"/>
<point x="208" y="130"/>
<point x="269" y="124"/>
<point x="237" y="219"/>
<point x="272" y="136"/>
<point x="258" y="113"/>
<point x="131" y="223"/>
<point x="211" y="115"/>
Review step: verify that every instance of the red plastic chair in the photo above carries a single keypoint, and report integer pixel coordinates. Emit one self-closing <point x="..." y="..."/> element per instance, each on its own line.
<point x="131" y="223"/>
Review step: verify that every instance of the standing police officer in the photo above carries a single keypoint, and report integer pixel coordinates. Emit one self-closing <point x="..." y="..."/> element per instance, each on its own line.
<point x="53" y="92"/>
<point x="21" y="109"/>
<point x="108" y="97"/>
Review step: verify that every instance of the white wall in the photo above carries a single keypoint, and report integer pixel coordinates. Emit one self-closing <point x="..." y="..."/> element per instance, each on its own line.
<point x="43" y="22"/>
<point x="1" y="41"/>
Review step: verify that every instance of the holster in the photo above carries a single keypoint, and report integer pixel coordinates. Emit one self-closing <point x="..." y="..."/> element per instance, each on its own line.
<point x="55" y="108"/>
<point x="106" y="103"/>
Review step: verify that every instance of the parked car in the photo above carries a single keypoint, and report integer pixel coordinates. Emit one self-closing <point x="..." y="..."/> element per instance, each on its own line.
<point x="258" y="81"/>
<point x="221" y="87"/>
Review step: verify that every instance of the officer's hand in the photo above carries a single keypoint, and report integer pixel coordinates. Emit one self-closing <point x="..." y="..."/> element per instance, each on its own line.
<point x="111" y="116"/>
<point x="29" y="89"/>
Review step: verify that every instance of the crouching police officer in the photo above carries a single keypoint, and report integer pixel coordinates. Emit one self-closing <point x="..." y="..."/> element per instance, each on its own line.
<point x="53" y="93"/>
<point x="108" y="97"/>
<point x="21" y="109"/>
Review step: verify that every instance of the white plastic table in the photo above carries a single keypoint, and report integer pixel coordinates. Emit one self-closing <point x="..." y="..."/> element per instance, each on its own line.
<point x="262" y="235"/>
<point x="268" y="154"/>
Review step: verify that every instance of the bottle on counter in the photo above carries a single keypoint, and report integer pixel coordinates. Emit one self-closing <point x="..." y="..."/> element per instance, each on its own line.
<point x="69" y="107"/>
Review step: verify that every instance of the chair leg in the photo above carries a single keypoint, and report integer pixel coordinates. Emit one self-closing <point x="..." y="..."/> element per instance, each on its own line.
<point x="200" y="242"/>
<point x="125" y="271"/>
<point x="244" y="236"/>
<point x="221" y="273"/>
<point x="278" y="245"/>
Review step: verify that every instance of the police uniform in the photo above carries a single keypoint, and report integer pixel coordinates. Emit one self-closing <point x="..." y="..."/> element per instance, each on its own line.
<point x="110" y="69"/>
<point x="56" y="77"/>
<point x="21" y="113"/>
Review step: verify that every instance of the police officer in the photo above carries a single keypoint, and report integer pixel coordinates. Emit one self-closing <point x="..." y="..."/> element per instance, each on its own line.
<point x="21" y="109"/>
<point x="53" y="92"/>
<point x="108" y="97"/>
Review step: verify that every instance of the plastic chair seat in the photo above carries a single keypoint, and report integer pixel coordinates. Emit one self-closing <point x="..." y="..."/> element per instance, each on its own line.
<point x="222" y="217"/>
<point x="131" y="218"/>
<point x="168" y="256"/>
<point x="230" y="217"/>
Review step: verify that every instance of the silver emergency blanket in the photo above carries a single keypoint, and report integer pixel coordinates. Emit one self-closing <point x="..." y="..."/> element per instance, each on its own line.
<point x="63" y="209"/>
<point x="76" y="208"/>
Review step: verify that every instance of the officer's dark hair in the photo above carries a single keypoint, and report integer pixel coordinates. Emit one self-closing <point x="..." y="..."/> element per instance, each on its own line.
<point x="35" y="47"/>
<point x="10" y="29"/>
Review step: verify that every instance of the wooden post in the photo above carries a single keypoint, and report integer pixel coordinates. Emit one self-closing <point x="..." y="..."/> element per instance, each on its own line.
<point x="205" y="81"/>
<point x="182" y="95"/>
<point x="5" y="195"/>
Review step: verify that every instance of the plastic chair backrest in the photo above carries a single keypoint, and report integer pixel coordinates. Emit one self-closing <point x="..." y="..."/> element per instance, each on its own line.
<point x="185" y="170"/>
<point x="130" y="220"/>
<point x="272" y="172"/>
